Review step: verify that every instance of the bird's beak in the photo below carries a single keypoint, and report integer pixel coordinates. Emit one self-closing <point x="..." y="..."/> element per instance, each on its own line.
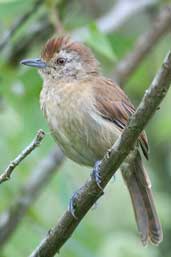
<point x="35" y="62"/>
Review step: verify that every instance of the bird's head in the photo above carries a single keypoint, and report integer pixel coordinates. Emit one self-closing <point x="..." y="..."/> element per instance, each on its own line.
<point x="61" y="58"/>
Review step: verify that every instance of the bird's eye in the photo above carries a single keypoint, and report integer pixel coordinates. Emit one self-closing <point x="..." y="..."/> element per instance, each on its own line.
<point x="61" y="61"/>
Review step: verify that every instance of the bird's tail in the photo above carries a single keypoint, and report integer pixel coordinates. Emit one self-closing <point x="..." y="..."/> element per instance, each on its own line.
<point x="139" y="186"/>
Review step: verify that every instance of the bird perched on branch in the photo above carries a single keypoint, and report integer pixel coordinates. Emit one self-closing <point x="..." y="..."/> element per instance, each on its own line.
<point x="86" y="113"/>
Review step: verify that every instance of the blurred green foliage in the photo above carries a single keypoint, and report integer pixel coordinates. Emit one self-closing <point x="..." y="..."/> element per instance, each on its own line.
<point x="109" y="229"/>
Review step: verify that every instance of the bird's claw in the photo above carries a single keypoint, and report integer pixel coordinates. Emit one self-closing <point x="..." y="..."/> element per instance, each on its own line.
<point x="72" y="206"/>
<point x="96" y="174"/>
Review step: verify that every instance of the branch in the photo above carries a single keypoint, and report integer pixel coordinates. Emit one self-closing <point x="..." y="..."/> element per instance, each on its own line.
<point x="19" y="23"/>
<point x="116" y="16"/>
<point x="56" y="22"/>
<point x="125" y="67"/>
<point x="143" y="46"/>
<point x="37" y="181"/>
<point x="105" y="24"/>
<point x="37" y="33"/>
<point x="89" y="193"/>
<point x="35" y="143"/>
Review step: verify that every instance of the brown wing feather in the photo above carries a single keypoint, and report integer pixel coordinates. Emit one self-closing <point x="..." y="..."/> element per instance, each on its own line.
<point x="113" y="104"/>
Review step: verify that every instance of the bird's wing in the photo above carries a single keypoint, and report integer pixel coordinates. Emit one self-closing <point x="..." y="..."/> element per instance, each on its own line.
<point x="113" y="104"/>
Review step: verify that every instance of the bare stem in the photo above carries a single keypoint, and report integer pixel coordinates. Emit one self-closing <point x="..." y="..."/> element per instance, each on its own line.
<point x="105" y="24"/>
<point x="143" y="46"/>
<point x="21" y="20"/>
<point x="89" y="193"/>
<point x="115" y="17"/>
<point x="55" y="20"/>
<point x="13" y="164"/>
<point x="36" y="182"/>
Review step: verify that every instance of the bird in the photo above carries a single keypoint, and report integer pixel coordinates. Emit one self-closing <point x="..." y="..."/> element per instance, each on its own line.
<point x="86" y="113"/>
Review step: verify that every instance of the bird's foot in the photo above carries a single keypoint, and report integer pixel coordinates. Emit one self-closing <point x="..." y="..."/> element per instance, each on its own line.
<point x="96" y="174"/>
<point x="72" y="205"/>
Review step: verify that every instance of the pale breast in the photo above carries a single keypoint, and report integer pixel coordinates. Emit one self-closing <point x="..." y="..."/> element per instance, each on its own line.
<point x="82" y="134"/>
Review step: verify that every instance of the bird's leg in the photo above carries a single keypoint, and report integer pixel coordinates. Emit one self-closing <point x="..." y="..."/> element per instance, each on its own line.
<point x="96" y="174"/>
<point x="97" y="177"/>
<point x="72" y="206"/>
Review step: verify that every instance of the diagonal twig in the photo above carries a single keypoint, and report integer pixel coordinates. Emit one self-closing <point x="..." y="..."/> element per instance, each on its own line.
<point x="115" y="17"/>
<point x="39" y="178"/>
<point x="13" y="164"/>
<point x="19" y="23"/>
<point x="144" y="44"/>
<point x="105" y="24"/>
<point x="56" y="21"/>
<point x="89" y="193"/>
<point x="11" y="218"/>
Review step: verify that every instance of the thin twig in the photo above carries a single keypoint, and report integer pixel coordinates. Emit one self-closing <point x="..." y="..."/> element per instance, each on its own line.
<point x="19" y="23"/>
<point x="89" y="193"/>
<point x="38" y="33"/>
<point x="115" y="17"/>
<point x="143" y="46"/>
<point x="13" y="164"/>
<point x="105" y="24"/>
<point x="125" y="68"/>
<point x="57" y="24"/>
<point x="38" y="179"/>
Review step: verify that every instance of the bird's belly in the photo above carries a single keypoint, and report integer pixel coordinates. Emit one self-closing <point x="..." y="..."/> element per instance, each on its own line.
<point x="84" y="140"/>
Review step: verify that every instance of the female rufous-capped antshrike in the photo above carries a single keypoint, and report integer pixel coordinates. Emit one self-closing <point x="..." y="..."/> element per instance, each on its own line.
<point x="86" y="113"/>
